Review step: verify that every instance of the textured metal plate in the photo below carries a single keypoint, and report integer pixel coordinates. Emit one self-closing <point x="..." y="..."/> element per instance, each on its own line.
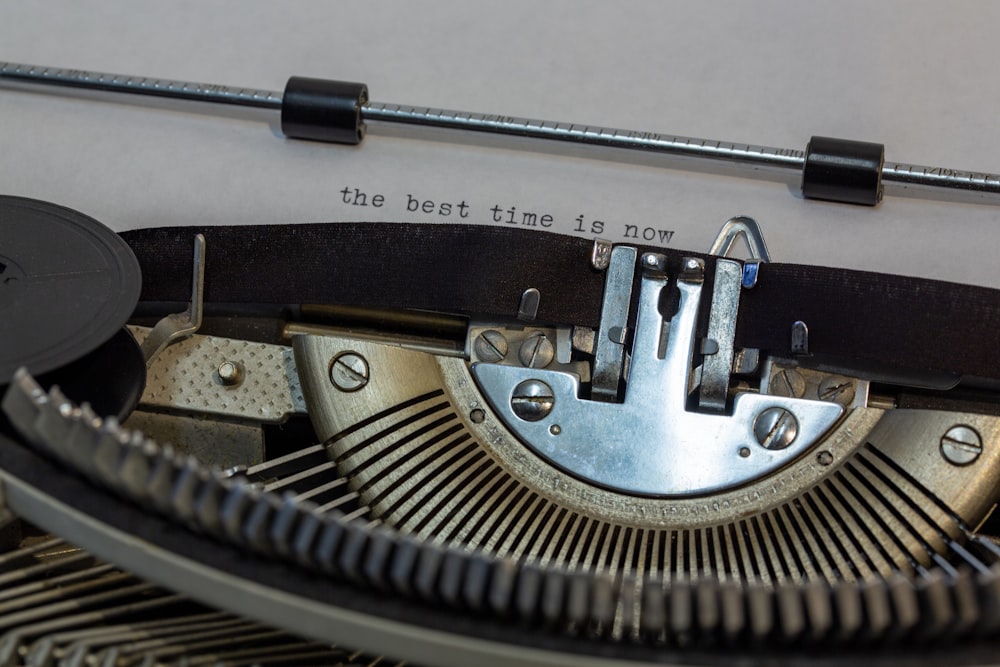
<point x="185" y="376"/>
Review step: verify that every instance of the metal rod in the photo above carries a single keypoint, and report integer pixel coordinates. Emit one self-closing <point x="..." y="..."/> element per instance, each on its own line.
<point x="754" y="156"/>
<point x="139" y="85"/>
<point x="760" y="156"/>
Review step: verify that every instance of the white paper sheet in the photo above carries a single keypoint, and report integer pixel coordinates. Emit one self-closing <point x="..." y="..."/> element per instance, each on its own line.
<point x="913" y="75"/>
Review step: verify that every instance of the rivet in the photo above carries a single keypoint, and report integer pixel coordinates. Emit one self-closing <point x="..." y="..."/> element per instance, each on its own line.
<point x="230" y="373"/>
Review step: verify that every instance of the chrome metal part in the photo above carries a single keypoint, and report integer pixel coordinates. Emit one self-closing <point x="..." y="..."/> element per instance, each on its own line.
<point x="532" y="400"/>
<point x="140" y="85"/>
<point x="527" y="346"/>
<point x="741" y="227"/>
<point x="185" y="377"/>
<point x="754" y="157"/>
<point x="719" y="354"/>
<point x="600" y="255"/>
<point x="609" y="342"/>
<point x="800" y="338"/>
<point x="775" y="428"/>
<point x="177" y="326"/>
<point x="527" y="311"/>
<point x="666" y="450"/>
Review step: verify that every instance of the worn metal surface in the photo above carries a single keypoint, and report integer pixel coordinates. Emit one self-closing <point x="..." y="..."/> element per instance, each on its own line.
<point x="185" y="377"/>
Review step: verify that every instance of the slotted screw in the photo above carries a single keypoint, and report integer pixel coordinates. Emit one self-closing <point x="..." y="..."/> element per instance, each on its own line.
<point x="491" y="346"/>
<point x="532" y="400"/>
<point x="836" y="389"/>
<point x="349" y="371"/>
<point x="788" y="382"/>
<point x="536" y="351"/>
<point x="775" y="428"/>
<point x="961" y="445"/>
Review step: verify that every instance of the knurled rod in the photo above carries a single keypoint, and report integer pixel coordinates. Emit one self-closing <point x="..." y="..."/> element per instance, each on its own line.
<point x="760" y="156"/>
<point x="139" y="85"/>
<point x="754" y="156"/>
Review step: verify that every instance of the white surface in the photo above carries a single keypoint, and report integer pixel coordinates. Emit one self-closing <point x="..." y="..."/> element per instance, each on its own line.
<point x="915" y="76"/>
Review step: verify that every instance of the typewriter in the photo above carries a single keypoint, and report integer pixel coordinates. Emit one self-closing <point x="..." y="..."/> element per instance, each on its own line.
<point x="454" y="445"/>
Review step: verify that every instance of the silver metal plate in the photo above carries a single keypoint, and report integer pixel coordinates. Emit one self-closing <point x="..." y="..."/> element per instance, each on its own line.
<point x="651" y="444"/>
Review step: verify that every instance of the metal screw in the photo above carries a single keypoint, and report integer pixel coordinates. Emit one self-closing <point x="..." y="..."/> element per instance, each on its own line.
<point x="230" y="373"/>
<point x="532" y="400"/>
<point x="788" y="382"/>
<point x="536" y="351"/>
<point x="349" y="371"/>
<point x="491" y="346"/>
<point x="836" y="389"/>
<point x="961" y="445"/>
<point x="775" y="428"/>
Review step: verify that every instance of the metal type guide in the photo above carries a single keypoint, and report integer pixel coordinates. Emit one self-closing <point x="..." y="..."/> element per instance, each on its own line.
<point x="337" y="111"/>
<point x="563" y="452"/>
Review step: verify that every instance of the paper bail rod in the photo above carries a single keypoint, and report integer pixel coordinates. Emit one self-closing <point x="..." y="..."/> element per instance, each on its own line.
<point x="336" y="111"/>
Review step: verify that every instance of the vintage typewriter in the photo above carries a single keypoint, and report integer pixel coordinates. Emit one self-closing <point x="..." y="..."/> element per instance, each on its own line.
<point x="466" y="445"/>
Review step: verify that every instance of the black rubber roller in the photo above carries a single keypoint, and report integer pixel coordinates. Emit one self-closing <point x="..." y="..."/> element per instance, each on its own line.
<point x="843" y="171"/>
<point x="323" y="110"/>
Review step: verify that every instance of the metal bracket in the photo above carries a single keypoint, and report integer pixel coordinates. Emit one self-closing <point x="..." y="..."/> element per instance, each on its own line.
<point x="176" y="326"/>
<point x="609" y="346"/>
<point x="650" y="443"/>
<point x="743" y="227"/>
